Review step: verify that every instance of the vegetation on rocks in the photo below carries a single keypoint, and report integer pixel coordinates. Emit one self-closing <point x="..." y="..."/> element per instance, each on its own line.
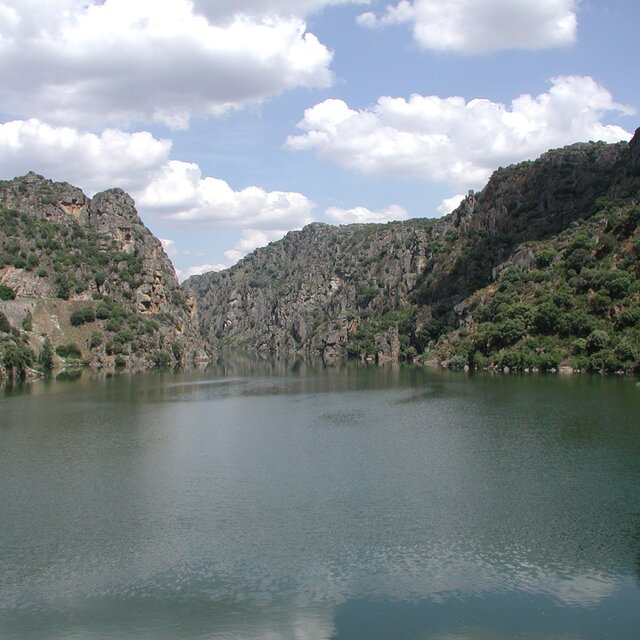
<point x="537" y="271"/>
<point x="576" y="305"/>
<point x="85" y="272"/>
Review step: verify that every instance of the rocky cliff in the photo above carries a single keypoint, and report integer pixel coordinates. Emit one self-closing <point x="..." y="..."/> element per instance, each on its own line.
<point x="85" y="276"/>
<point x="408" y="289"/>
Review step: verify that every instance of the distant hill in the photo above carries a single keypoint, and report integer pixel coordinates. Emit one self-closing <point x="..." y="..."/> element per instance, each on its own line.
<point x="84" y="281"/>
<point x="539" y="270"/>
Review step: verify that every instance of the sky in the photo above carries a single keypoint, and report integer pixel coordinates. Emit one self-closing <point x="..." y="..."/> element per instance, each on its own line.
<point x="232" y="122"/>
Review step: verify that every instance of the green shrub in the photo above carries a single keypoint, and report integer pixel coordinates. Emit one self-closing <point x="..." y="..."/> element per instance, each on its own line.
<point x="579" y="346"/>
<point x="125" y="335"/>
<point x="103" y="312"/>
<point x="600" y="303"/>
<point x="114" y="348"/>
<point x="630" y="318"/>
<point x="161" y="359"/>
<point x="626" y="351"/>
<point x="95" y="341"/>
<point x="618" y="284"/>
<point x="578" y="260"/>
<point x="365" y="295"/>
<point x="63" y="290"/>
<point x="510" y="331"/>
<point x="5" y="327"/>
<point x="100" y="277"/>
<point x="605" y="361"/>
<point x="546" y="318"/>
<point x="580" y="362"/>
<point x="6" y="293"/>
<point x="82" y="316"/>
<point x="606" y="245"/>
<point x="597" y="341"/>
<point x="17" y="358"/>
<point x="45" y="357"/>
<point x="548" y="360"/>
<point x="177" y="298"/>
<point x="70" y="350"/>
<point x="545" y="257"/>
<point x="457" y="362"/>
<point x="114" y="324"/>
<point x="581" y="323"/>
<point x="12" y="246"/>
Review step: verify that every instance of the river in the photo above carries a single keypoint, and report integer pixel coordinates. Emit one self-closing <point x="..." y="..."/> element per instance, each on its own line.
<point x="273" y="503"/>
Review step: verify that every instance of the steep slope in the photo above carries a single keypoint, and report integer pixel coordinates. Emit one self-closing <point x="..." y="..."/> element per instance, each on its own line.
<point x="571" y="300"/>
<point x="89" y="277"/>
<point x="398" y="290"/>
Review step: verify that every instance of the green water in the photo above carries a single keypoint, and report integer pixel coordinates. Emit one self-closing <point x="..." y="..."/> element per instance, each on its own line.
<point x="303" y="504"/>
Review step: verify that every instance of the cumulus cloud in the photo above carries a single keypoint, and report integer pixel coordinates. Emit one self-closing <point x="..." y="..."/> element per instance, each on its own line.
<point x="180" y="194"/>
<point x="482" y="26"/>
<point x="362" y="214"/>
<point x="170" y="191"/>
<point x="449" y="204"/>
<point x="115" y="62"/>
<point x="197" y="270"/>
<point x="218" y="9"/>
<point x="169" y="247"/>
<point x="252" y="239"/>
<point x="94" y="161"/>
<point x="454" y="141"/>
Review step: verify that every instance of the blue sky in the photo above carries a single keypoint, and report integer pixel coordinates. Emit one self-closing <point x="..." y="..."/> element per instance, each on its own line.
<point x="233" y="122"/>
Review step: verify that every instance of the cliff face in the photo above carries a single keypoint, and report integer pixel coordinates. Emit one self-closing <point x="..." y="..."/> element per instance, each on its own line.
<point x="397" y="290"/>
<point x="308" y="292"/>
<point x="88" y="272"/>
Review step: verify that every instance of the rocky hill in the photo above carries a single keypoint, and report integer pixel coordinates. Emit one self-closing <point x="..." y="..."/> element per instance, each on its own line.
<point x="537" y="271"/>
<point x="84" y="281"/>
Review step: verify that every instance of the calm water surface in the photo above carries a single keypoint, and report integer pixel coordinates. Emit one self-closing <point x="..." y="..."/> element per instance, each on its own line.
<point x="308" y="504"/>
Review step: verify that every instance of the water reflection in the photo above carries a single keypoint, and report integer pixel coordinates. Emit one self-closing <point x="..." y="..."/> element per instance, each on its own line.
<point x="352" y="503"/>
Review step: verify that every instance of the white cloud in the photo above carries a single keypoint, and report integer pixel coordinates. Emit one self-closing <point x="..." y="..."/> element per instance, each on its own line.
<point x="449" y="204"/>
<point x="454" y="141"/>
<point x="170" y="191"/>
<point x="252" y="239"/>
<point x="217" y="9"/>
<point x="197" y="270"/>
<point x="94" y="161"/>
<point x="362" y="214"/>
<point x="68" y="61"/>
<point x="481" y="26"/>
<point x="169" y="247"/>
<point x="180" y="194"/>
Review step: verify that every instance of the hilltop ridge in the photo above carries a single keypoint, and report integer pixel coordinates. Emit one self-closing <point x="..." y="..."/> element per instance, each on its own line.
<point x="87" y="277"/>
<point x="428" y="289"/>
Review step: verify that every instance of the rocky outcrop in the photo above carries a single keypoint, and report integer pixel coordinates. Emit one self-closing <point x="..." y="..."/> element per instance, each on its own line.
<point x="346" y="291"/>
<point x="62" y="252"/>
<point x="312" y="290"/>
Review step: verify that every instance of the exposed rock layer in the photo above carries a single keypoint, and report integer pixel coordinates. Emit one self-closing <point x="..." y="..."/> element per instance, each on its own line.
<point x="61" y="252"/>
<point x="375" y="291"/>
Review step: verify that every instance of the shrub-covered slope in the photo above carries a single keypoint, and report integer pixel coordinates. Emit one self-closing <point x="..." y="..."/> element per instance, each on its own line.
<point x="426" y="289"/>
<point x="86" y="280"/>
<point x="572" y="300"/>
